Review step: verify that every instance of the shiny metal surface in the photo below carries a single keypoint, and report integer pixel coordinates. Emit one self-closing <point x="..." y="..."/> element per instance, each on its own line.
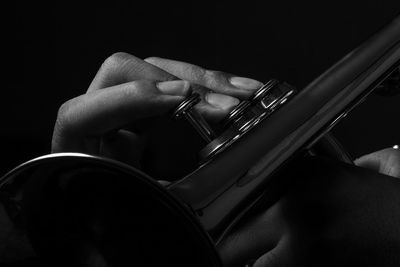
<point x="57" y="194"/>
<point x="240" y="109"/>
<point x="264" y="134"/>
<point x="264" y="90"/>
<point x="186" y="110"/>
<point x="236" y="112"/>
<point x="219" y="186"/>
<point x="268" y="99"/>
<point x="391" y="86"/>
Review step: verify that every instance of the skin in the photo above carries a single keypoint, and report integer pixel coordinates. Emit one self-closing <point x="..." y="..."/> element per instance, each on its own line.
<point x="385" y="161"/>
<point x="347" y="216"/>
<point x="126" y="92"/>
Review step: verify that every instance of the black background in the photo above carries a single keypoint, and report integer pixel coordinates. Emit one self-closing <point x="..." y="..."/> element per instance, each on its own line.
<point x="56" y="49"/>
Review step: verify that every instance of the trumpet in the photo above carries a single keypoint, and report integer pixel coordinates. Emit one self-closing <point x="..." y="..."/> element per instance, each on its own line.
<point x="239" y="165"/>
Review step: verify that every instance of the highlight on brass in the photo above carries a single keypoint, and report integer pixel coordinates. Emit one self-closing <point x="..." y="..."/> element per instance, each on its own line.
<point x="271" y="182"/>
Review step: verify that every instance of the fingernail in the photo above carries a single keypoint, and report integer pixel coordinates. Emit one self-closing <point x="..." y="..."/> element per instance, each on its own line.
<point x="245" y="83"/>
<point x="178" y="87"/>
<point x="221" y="101"/>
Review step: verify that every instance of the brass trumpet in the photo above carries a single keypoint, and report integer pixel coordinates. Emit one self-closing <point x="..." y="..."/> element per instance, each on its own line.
<point x="238" y="166"/>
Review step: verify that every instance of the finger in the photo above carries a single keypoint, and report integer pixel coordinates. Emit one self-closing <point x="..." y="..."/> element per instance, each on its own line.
<point x="122" y="68"/>
<point x="102" y="111"/>
<point x="386" y="161"/>
<point x="253" y="239"/>
<point x="217" y="81"/>
<point x="216" y="106"/>
<point x="278" y="256"/>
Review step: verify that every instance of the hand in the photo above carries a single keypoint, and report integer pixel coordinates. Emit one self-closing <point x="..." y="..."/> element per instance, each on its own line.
<point x="347" y="216"/>
<point x="385" y="161"/>
<point x="110" y="119"/>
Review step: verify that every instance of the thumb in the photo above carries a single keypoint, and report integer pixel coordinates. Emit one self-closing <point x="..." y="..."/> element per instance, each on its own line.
<point x="386" y="161"/>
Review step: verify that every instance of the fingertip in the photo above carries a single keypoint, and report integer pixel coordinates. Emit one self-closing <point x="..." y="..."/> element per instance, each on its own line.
<point x="245" y="83"/>
<point x="216" y="107"/>
<point x="221" y="101"/>
<point x="175" y="88"/>
<point x="212" y="114"/>
<point x="368" y="162"/>
<point x="151" y="60"/>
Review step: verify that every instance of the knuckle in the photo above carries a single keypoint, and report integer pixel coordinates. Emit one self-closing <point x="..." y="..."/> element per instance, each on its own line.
<point x="64" y="115"/>
<point x="116" y="60"/>
<point x="63" y="109"/>
<point x="64" y="125"/>
<point x="120" y="56"/>
<point x="213" y="78"/>
<point x="214" y="74"/>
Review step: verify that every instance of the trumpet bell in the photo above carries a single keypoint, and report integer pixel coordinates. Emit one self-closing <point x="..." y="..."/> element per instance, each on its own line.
<point x="79" y="210"/>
